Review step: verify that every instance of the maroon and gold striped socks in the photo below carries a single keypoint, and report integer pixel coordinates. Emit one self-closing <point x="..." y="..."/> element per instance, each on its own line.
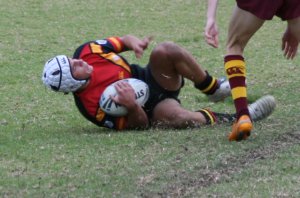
<point x="235" y="68"/>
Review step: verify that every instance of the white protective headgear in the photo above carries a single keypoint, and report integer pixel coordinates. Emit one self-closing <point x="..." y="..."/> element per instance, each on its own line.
<point x="57" y="75"/>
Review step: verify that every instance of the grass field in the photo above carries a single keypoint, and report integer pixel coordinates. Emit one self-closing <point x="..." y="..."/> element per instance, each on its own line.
<point x="47" y="149"/>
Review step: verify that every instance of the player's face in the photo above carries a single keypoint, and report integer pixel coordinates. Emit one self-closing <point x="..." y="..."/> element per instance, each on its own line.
<point x="80" y="69"/>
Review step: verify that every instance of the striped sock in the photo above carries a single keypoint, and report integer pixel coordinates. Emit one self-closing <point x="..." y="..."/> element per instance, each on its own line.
<point x="209" y="85"/>
<point x="236" y="73"/>
<point x="215" y="118"/>
<point x="209" y="116"/>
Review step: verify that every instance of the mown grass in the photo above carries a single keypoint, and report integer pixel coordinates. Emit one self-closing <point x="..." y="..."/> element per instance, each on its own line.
<point x="48" y="150"/>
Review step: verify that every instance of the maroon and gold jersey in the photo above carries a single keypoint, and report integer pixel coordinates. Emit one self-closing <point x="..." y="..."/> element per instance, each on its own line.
<point x="108" y="67"/>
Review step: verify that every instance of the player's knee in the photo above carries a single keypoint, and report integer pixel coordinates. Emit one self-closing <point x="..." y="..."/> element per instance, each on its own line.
<point x="166" y="49"/>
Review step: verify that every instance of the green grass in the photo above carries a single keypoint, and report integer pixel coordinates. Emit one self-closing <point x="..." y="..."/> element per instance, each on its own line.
<point x="47" y="149"/>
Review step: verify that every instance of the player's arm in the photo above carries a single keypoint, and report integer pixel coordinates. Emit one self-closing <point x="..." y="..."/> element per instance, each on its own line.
<point x="121" y="44"/>
<point x="136" y="117"/>
<point x="211" y="28"/>
<point x="289" y="44"/>
<point x="137" y="45"/>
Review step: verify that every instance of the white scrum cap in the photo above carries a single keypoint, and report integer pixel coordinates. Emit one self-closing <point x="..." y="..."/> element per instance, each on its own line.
<point x="57" y="75"/>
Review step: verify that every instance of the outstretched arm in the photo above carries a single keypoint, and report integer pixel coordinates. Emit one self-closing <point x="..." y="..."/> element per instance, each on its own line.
<point x="137" y="45"/>
<point x="211" y="28"/>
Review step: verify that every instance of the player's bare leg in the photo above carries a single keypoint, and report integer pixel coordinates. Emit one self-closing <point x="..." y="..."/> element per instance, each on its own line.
<point x="169" y="113"/>
<point x="170" y="62"/>
<point x="242" y="27"/>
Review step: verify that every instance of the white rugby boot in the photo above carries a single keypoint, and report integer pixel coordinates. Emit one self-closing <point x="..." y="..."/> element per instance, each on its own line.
<point x="222" y="92"/>
<point x="262" y="108"/>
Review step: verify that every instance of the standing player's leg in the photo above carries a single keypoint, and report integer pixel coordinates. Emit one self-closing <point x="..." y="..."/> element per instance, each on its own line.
<point x="242" y="27"/>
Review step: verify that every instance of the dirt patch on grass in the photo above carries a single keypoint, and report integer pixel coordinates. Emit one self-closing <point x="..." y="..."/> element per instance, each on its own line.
<point x="185" y="183"/>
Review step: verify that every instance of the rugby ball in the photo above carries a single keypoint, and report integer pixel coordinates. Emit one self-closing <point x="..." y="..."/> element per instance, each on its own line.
<point x="141" y="90"/>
